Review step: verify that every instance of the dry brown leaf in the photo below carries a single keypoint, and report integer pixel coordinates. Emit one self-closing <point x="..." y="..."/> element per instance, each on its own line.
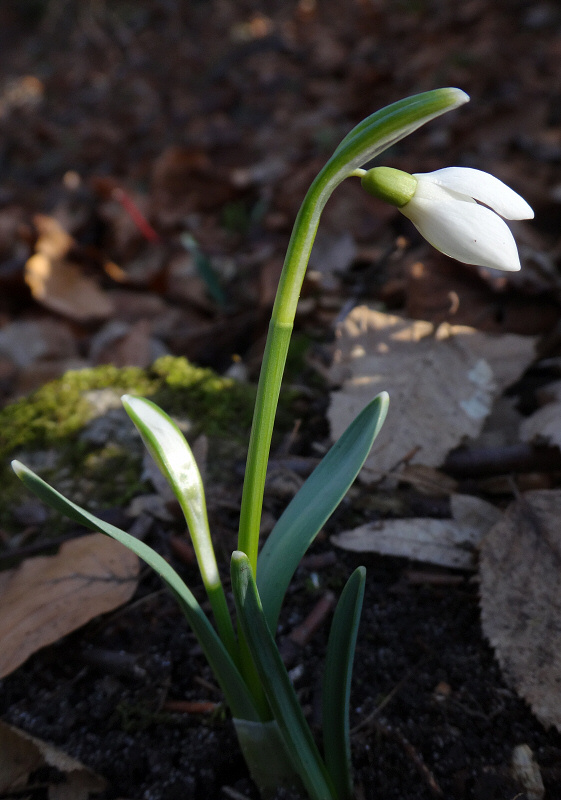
<point x="442" y="383"/>
<point x="446" y="542"/>
<point x="123" y="345"/>
<point x="50" y="596"/>
<point x="27" y="341"/>
<point x="22" y="754"/>
<point x="58" y="284"/>
<point x="501" y="426"/>
<point x="543" y="426"/>
<point x="520" y="564"/>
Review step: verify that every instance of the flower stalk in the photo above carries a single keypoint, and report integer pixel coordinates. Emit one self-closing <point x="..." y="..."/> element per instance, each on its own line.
<point x="367" y="140"/>
<point x="446" y="206"/>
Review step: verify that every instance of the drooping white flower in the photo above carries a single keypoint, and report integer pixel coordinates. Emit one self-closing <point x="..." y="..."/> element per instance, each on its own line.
<point x="457" y="210"/>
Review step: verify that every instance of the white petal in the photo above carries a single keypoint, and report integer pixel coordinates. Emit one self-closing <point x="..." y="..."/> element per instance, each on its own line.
<point x="483" y="187"/>
<point x="462" y="229"/>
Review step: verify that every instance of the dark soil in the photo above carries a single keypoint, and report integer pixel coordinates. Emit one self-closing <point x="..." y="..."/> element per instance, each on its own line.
<point x="157" y="96"/>
<point x="431" y="715"/>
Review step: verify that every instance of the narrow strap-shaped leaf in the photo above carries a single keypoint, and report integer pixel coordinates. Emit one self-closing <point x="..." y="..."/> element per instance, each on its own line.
<point x="383" y="128"/>
<point x="296" y="733"/>
<point x="269" y="765"/>
<point x="314" y="503"/>
<point x="204" y="268"/>
<point x="169" y="449"/>
<point x="236" y="692"/>
<point x="337" y="684"/>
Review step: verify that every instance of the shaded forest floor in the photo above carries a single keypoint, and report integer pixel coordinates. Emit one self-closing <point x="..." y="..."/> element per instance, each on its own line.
<point x="154" y="156"/>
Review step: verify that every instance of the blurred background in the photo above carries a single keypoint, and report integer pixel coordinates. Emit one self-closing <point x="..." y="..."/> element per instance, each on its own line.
<point x="154" y="154"/>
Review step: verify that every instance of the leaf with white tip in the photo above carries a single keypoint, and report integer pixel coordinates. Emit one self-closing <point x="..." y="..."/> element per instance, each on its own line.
<point x="232" y="684"/>
<point x="169" y="449"/>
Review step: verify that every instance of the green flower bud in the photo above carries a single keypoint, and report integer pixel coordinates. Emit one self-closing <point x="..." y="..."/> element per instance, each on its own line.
<point x="391" y="185"/>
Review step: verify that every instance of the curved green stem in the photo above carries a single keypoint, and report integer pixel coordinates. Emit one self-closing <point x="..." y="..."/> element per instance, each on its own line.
<point x="367" y="140"/>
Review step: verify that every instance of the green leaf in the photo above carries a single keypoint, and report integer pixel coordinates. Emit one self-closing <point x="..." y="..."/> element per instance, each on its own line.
<point x="226" y="672"/>
<point x="391" y="124"/>
<point x="337" y="684"/>
<point x="169" y="449"/>
<point x="296" y="733"/>
<point x="268" y="762"/>
<point x="204" y="268"/>
<point x="308" y="511"/>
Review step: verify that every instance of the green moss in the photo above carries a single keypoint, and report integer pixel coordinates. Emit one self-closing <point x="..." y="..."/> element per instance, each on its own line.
<point x="59" y="410"/>
<point x="51" y="430"/>
<point x="44" y="430"/>
<point x="216" y="405"/>
<point x="113" y="472"/>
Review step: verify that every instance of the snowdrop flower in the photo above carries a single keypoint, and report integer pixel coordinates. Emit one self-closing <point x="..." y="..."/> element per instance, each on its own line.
<point x="445" y="208"/>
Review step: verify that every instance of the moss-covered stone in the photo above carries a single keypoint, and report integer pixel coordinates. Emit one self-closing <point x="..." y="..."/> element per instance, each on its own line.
<point x="59" y="409"/>
<point x="61" y="429"/>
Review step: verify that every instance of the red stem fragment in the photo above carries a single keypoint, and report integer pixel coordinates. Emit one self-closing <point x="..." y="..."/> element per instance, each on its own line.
<point x="485" y="461"/>
<point x="135" y="214"/>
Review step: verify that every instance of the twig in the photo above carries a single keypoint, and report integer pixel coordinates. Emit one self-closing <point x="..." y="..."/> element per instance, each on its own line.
<point x="301" y="634"/>
<point x="414" y="755"/>
<point x="319" y="561"/>
<point x="371" y="718"/>
<point x="115" y="662"/>
<point x="485" y="461"/>
<point x="135" y="214"/>
<point x="416" y="577"/>
<point x="207" y="685"/>
<point x="190" y="706"/>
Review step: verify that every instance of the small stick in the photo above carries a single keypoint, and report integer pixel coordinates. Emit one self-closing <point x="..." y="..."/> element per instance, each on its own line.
<point x="319" y="561"/>
<point x="302" y="634"/>
<point x="115" y="662"/>
<point x="190" y="706"/>
<point x="207" y="685"/>
<point x="414" y="755"/>
<point x="135" y="214"/>
<point x="485" y="461"/>
<point x="434" y="578"/>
